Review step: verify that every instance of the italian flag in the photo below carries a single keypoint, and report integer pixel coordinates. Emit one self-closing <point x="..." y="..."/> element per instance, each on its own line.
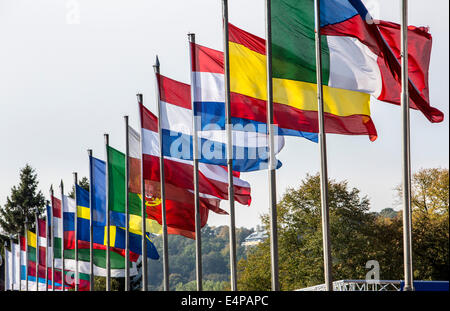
<point x="360" y="57"/>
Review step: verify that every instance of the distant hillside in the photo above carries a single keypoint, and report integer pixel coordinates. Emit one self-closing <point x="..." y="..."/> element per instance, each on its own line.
<point x="215" y="259"/>
<point x="388" y="212"/>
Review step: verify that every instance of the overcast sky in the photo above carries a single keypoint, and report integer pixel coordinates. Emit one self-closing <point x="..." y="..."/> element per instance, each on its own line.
<point x="70" y="69"/>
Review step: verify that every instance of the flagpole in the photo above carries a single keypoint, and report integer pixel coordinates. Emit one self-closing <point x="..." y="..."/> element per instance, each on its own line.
<point x="143" y="210"/>
<point x="156" y="68"/>
<point x="228" y="125"/>
<point x="75" y="181"/>
<point x="323" y="156"/>
<point x="108" y="250"/>
<point x="46" y="250"/>
<point x="406" y="150"/>
<point x="272" y="160"/>
<point x="37" y="250"/>
<point x="52" y="241"/>
<point x="91" y="222"/>
<point x="63" y="277"/>
<point x="127" y="207"/>
<point x="195" y="150"/>
<point x="26" y="252"/>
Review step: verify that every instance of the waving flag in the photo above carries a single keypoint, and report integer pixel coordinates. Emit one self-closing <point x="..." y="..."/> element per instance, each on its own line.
<point x="117" y="259"/>
<point x="180" y="202"/>
<point x="117" y="209"/>
<point x="360" y="58"/>
<point x="213" y="179"/>
<point x="249" y="136"/>
<point x="295" y="100"/>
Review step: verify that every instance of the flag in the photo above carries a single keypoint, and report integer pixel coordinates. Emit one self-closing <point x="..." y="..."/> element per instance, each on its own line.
<point x="213" y="179"/>
<point x="57" y="231"/>
<point x="294" y="100"/>
<point x="180" y="208"/>
<point x="250" y="141"/>
<point x="116" y="256"/>
<point x="172" y="192"/>
<point x="348" y="24"/>
<point x="116" y="206"/>
<point x="33" y="242"/>
<point x="32" y="270"/>
<point x="359" y="58"/>
<point x="134" y="187"/>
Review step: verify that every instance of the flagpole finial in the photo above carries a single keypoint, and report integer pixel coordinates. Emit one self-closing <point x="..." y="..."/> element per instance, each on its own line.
<point x="51" y="187"/>
<point x="89" y="152"/>
<point x="191" y="36"/>
<point x="106" y="136"/>
<point x="139" y="98"/>
<point x="156" y="65"/>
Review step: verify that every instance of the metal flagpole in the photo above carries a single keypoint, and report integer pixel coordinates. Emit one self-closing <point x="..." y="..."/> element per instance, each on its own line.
<point x="63" y="276"/>
<point x="406" y="152"/>
<point x="127" y="205"/>
<point x="91" y="224"/>
<point x="36" y="218"/>
<point x="75" y="182"/>
<point x="143" y="210"/>
<point x="52" y="241"/>
<point x="26" y="252"/>
<point x="272" y="160"/>
<point x="195" y="149"/>
<point x="323" y="156"/>
<point x="163" y="186"/>
<point x="108" y="250"/>
<point x="228" y="124"/>
<point x="46" y="250"/>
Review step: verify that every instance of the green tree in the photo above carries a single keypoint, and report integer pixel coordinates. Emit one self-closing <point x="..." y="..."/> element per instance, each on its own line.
<point x="430" y="223"/>
<point x="100" y="283"/>
<point x="24" y="202"/>
<point x="300" y="238"/>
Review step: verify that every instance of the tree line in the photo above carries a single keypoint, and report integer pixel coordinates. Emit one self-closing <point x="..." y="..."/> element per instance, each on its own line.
<point x="357" y="235"/>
